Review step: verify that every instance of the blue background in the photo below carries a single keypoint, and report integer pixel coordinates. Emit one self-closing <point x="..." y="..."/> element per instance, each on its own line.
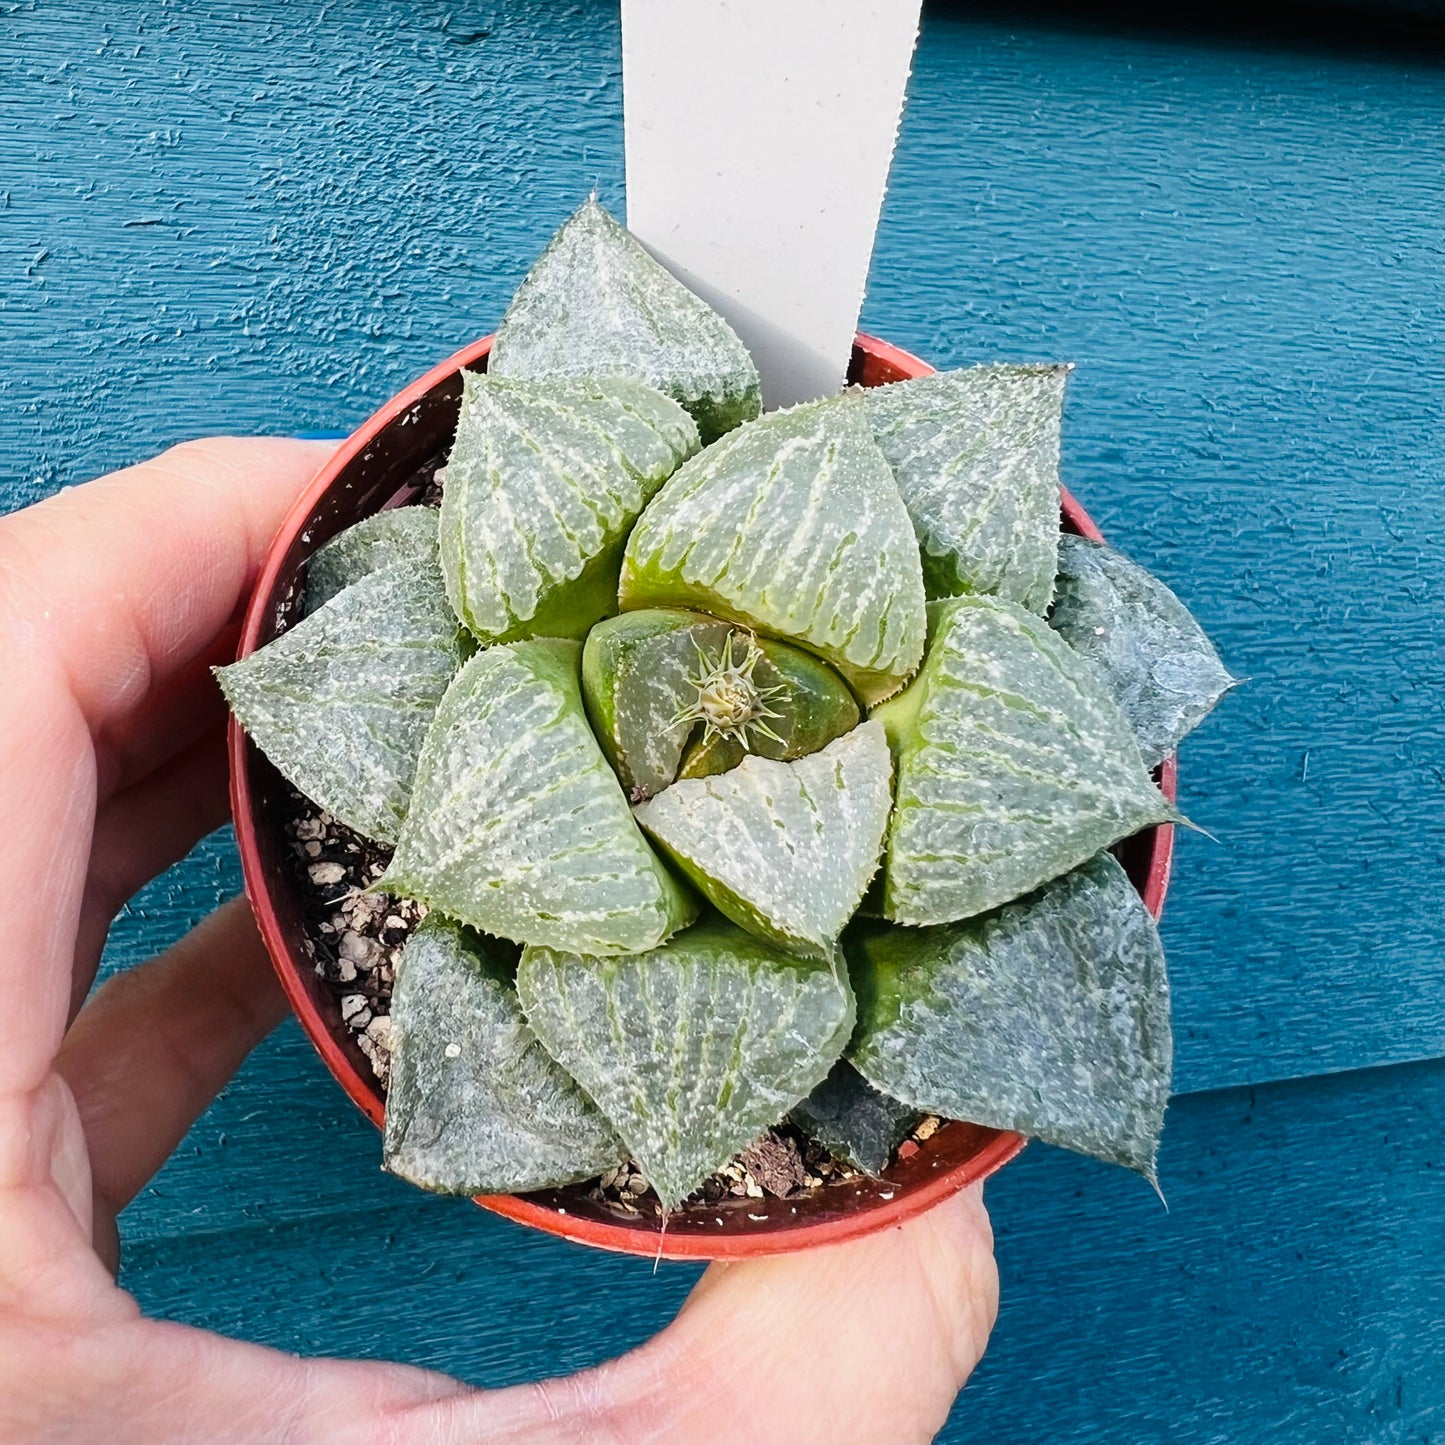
<point x="271" y="221"/>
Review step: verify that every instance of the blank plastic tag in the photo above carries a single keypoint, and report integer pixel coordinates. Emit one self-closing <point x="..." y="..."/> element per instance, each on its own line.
<point x="759" y="135"/>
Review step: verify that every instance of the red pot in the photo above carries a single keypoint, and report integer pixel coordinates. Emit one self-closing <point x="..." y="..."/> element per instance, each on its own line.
<point x="379" y="466"/>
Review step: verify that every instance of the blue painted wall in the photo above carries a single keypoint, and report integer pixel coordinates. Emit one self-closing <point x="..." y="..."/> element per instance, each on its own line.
<point x="211" y="221"/>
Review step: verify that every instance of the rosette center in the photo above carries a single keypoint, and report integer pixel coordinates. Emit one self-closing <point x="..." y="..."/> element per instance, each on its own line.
<point x="729" y="701"/>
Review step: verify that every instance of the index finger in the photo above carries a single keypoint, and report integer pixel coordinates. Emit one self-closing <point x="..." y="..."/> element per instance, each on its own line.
<point x="105" y="592"/>
<point x="122" y="582"/>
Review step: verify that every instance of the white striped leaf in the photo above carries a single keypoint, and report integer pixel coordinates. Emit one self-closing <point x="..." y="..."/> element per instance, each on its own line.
<point x="786" y="850"/>
<point x="791" y="525"/>
<point x="853" y="1121"/>
<point x="542" y="487"/>
<point x="518" y="826"/>
<point x="692" y="1049"/>
<point x="341" y="702"/>
<point x="399" y="534"/>
<point x="1049" y="1017"/>
<point x="1014" y="765"/>
<point x="1153" y="656"/>
<point x="474" y="1103"/>
<point x="597" y="304"/>
<point x="976" y="454"/>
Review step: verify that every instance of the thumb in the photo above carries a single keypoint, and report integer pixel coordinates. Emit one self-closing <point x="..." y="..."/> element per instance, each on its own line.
<point x="870" y="1340"/>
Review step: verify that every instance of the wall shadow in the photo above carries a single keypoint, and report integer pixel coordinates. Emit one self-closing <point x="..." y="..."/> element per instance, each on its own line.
<point x="1393" y="30"/>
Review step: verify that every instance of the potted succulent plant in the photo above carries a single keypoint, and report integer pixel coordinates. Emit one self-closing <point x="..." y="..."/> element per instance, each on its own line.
<point x="708" y="833"/>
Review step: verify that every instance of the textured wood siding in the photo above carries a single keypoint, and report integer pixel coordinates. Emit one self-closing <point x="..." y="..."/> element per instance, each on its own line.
<point x="213" y="220"/>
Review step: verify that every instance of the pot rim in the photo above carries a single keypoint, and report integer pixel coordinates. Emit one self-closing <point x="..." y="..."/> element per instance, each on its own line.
<point x="887" y="1209"/>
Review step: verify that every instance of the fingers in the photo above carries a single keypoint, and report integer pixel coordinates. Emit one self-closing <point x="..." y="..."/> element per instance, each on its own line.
<point x="107" y="592"/>
<point x="143" y="1382"/>
<point x="865" y="1341"/>
<point x="150" y="1051"/>
<point x="174" y="715"/>
<point x="125" y="580"/>
<point x="47" y="802"/>
<point x="139" y="833"/>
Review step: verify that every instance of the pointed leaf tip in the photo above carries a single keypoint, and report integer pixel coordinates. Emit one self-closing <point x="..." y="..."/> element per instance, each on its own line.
<point x="786" y="850"/>
<point x="1048" y="1017"/>
<point x="341" y="702"/>
<point x="791" y="525"/>
<point x="543" y="484"/>
<point x="691" y="1049"/>
<point x="399" y="534"/>
<point x="1014" y="766"/>
<point x="1153" y="656"/>
<point x="598" y="304"/>
<point x="976" y="454"/>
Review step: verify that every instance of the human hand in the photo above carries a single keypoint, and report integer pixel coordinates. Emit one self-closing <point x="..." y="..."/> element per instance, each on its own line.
<point x="115" y="599"/>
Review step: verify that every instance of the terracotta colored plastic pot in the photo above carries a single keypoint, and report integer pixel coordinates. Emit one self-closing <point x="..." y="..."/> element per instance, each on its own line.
<point x="384" y="464"/>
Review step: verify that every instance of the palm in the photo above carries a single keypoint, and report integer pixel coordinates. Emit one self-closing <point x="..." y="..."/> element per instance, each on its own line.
<point x="114" y="601"/>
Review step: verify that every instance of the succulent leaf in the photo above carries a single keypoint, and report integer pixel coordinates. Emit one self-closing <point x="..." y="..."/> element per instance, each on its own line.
<point x="475" y="1104"/>
<point x="597" y="304"/>
<point x="791" y="525"/>
<point x="785" y="850"/>
<point x="654" y="433"/>
<point x="341" y="702"/>
<point x="691" y="1049"/>
<point x="399" y="534"/>
<point x="976" y="454"/>
<point x="1049" y="1017"/>
<point x="811" y="706"/>
<point x="853" y="1121"/>
<point x="542" y="486"/>
<point x="1153" y="656"/>
<point x="635" y="679"/>
<point x="518" y="826"/>
<point x="1014" y="765"/>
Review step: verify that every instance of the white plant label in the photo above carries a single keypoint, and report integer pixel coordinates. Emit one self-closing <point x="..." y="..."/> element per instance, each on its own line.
<point x="759" y="135"/>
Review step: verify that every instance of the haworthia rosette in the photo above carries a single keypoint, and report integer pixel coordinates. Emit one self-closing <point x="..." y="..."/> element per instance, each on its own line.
<point x="792" y="525"/>
<point x="543" y="484"/>
<point x="694" y="1048"/>
<point x="1014" y="765"/>
<point x="475" y="1104"/>
<point x="597" y="304"/>
<point x="976" y="454"/>
<point x="1049" y="1017"/>
<point x="518" y="826"/>
<point x="1153" y="656"/>
<point x="341" y="702"/>
<point x="853" y="1121"/>
<point x="786" y="850"/>
<point x="399" y="534"/>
